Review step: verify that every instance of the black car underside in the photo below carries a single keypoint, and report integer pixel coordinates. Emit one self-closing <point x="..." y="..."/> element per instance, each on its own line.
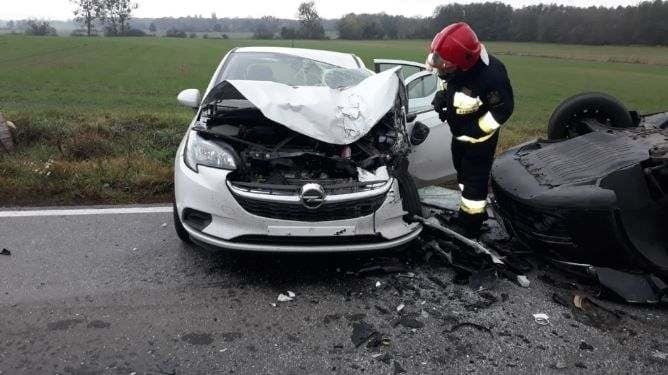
<point x="600" y="198"/>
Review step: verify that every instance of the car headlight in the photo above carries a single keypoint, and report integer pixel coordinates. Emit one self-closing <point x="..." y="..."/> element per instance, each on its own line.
<point x="200" y="151"/>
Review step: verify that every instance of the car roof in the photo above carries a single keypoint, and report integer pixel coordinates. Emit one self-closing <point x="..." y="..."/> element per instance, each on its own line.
<point x="344" y="60"/>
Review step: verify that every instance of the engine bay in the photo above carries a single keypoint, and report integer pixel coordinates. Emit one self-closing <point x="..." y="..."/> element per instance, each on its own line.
<point x="270" y="153"/>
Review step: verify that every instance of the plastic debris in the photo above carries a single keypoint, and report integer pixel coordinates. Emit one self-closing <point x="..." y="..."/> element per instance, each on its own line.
<point x="283" y="298"/>
<point x="523" y="281"/>
<point x="5" y="252"/>
<point x="378" y="284"/>
<point x="164" y="225"/>
<point x="541" y="319"/>
<point x="291" y="294"/>
<point x="400" y="307"/>
<point x="364" y="332"/>
<point x="273" y="305"/>
<point x="585" y="346"/>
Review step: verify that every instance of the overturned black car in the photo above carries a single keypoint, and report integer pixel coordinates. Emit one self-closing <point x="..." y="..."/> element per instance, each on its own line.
<point x="595" y="192"/>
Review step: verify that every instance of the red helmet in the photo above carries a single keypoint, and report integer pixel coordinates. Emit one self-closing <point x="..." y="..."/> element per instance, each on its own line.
<point x="457" y="44"/>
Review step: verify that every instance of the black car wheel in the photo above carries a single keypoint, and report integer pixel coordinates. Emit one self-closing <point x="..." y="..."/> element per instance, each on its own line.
<point x="567" y="120"/>
<point x="180" y="230"/>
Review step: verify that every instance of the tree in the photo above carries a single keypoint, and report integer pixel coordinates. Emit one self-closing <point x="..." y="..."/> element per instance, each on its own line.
<point x="116" y="14"/>
<point x="311" y="23"/>
<point x="86" y="13"/>
<point x="266" y="28"/>
<point x="10" y="25"/>
<point x="288" y="33"/>
<point x="40" y="28"/>
<point x="152" y="27"/>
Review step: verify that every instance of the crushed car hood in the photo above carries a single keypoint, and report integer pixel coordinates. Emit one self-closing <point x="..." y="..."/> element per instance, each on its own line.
<point x="336" y="116"/>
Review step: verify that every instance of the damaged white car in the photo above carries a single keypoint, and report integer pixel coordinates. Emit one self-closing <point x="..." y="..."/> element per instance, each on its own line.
<point x="306" y="150"/>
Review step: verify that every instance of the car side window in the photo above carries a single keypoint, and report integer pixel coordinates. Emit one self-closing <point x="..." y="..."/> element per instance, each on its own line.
<point x="405" y="71"/>
<point x="422" y="87"/>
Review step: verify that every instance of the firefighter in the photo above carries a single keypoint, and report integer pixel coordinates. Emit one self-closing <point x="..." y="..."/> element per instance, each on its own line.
<point x="476" y="100"/>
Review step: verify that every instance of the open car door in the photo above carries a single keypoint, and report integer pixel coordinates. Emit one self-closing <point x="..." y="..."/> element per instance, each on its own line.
<point x="431" y="161"/>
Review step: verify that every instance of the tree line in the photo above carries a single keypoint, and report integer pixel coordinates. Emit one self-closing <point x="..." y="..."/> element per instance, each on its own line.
<point x="644" y="23"/>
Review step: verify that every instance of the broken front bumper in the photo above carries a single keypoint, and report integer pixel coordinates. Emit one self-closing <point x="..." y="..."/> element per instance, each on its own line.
<point x="236" y="224"/>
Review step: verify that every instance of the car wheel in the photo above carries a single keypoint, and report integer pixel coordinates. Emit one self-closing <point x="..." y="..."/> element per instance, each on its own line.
<point x="180" y="230"/>
<point x="567" y="119"/>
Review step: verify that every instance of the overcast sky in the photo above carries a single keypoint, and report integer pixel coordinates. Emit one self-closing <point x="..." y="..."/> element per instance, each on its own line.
<point x="62" y="9"/>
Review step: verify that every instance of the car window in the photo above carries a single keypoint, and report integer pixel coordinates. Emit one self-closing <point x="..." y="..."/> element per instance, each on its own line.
<point x="289" y="70"/>
<point x="422" y="87"/>
<point x="405" y="71"/>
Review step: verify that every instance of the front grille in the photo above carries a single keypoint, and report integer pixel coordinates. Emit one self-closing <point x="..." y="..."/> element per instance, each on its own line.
<point x="531" y="223"/>
<point x="326" y="212"/>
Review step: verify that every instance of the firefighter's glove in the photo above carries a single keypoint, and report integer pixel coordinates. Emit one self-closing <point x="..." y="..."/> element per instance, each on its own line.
<point x="465" y="104"/>
<point x="440" y="104"/>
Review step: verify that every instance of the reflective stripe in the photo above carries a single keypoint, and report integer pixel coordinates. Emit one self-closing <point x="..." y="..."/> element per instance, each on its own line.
<point x="484" y="56"/>
<point x="473" y="207"/>
<point x="461" y="187"/>
<point x="466" y="138"/>
<point x="465" y="104"/>
<point x="487" y="123"/>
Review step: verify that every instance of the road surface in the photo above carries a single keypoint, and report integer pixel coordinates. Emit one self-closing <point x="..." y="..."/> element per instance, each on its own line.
<point x="114" y="292"/>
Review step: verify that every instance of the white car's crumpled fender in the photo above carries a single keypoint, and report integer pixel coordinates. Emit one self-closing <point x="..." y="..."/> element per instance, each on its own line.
<point x="337" y="116"/>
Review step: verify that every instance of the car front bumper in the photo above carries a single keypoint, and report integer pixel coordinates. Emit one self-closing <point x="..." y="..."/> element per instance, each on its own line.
<point x="232" y="227"/>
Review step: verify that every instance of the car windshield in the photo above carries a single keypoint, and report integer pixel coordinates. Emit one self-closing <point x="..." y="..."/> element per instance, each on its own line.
<point x="289" y="70"/>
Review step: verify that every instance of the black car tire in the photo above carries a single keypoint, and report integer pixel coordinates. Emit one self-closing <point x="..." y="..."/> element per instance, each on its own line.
<point x="605" y="108"/>
<point x="180" y="230"/>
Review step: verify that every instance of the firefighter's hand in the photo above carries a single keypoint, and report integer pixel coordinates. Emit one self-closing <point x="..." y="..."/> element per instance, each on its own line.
<point x="465" y="104"/>
<point x="440" y="101"/>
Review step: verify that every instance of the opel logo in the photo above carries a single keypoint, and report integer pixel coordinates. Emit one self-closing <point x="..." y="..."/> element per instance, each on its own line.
<point x="312" y="196"/>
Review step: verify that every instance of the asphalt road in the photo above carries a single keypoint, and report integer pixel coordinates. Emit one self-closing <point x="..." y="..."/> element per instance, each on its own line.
<point x="119" y="294"/>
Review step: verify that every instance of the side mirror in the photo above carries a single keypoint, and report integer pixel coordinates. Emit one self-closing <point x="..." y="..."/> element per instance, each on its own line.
<point x="190" y="98"/>
<point x="419" y="134"/>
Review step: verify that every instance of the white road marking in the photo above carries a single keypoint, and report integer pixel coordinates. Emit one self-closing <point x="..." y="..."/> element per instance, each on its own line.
<point x="86" y="211"/>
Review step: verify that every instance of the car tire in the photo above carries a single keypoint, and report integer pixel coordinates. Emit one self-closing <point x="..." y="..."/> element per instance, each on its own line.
<point x="180" y="230"/>
<point x="599" y="106"/>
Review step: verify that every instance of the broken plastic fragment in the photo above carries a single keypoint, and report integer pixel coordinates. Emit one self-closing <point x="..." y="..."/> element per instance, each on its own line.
<point x="283" y="298"/>
<point x="378" y="284"/>
<point x="5" y="252"/>
<point x="291" y="294"/>
<point x="541" y="319"/>
<point x="400" y="307"/>
<point x="523" y="281"/>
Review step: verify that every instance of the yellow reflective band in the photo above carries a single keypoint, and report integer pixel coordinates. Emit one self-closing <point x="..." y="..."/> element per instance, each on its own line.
<point x="487" y="123"/>
<point x="473" y="207"/>
<point x="466" y="138"/>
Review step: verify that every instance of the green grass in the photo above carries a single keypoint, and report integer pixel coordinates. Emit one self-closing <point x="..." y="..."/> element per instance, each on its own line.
<point x="104" y="109"/>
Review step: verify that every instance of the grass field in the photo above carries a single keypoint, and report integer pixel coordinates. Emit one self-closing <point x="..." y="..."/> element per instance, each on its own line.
<point x="98" y="120"/>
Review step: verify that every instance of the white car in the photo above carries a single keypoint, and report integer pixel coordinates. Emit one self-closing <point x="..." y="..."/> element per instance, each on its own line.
<point x="305" y="150"/>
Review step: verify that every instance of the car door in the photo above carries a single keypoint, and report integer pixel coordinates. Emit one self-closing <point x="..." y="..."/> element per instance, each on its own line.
<point x="431" y="161"/>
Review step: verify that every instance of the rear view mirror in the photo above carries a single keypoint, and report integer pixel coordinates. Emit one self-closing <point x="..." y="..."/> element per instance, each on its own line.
<point x="189" y="98"/>
<point x="419" y="134"/>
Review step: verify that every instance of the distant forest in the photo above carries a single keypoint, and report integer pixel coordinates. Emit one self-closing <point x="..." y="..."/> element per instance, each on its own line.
<point x="645" y="23"/>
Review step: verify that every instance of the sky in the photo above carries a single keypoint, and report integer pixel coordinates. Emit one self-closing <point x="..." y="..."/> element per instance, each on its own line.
<point x="62" y="9"/>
